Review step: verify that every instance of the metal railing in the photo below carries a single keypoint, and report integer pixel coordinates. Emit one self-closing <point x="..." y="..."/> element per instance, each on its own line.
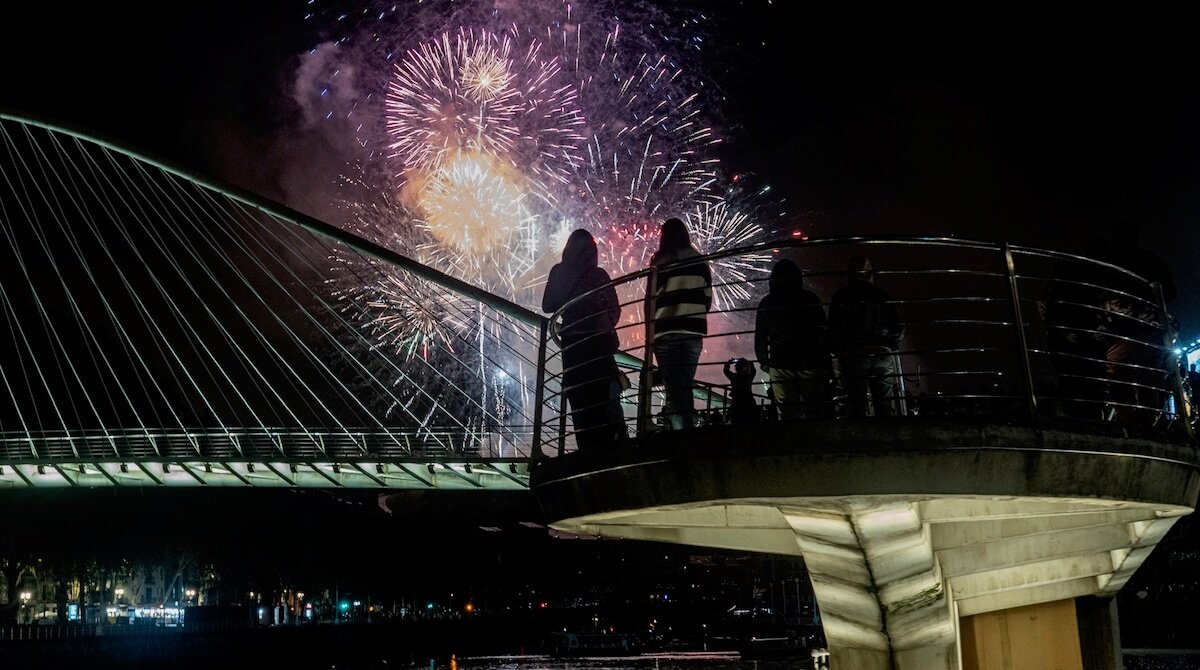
<point x="992" y="332"/>
<point x="162" y="322"/>
<point x="138" y="444"/>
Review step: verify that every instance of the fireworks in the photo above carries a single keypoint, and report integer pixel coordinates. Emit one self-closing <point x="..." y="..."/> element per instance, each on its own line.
<point x="649" y="152"/>
<point x="410" y="315"/>
<point x="468" y="92"/>
<point x="485" y="75"/>
<point x="470" y="207"/>
<point x="501" y="127"/>
<point x="717" y="228"/>
<point x="429" y="111"/>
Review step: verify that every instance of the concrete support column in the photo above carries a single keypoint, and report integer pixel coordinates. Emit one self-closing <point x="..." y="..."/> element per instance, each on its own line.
<point x="884" y="604"/>
<point x="1099" y="633"/>
<point x="1034" y="636"/>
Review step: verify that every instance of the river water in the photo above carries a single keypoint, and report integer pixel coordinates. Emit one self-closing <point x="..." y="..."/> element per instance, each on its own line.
<point x="667" y="661"/>
<point x="345" y="657"/>
<point x="1135" y="659"/>
<point x="1162" y="659"/>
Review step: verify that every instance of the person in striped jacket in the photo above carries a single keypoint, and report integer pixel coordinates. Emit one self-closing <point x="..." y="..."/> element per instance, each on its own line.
<point x="682" y="298"/>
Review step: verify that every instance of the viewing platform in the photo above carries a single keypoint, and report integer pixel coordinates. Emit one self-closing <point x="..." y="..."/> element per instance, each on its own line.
<point x="1028" y="442"/>
<point x="988" y="523"/>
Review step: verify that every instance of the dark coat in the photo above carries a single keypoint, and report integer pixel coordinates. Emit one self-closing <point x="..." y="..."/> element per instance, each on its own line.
<point x="589" y="320"/>
<point x="789" y="327"/>
<point x="862" y="317"/>
<point x="598" y="312"/>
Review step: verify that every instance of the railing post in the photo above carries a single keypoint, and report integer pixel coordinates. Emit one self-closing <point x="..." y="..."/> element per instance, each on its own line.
<point x="539" y="394"/>
<point x="562" y="423"/>
<point x="901" y="391"/>
<point x="646" y="375"/>
<point x="1022" y="343"/>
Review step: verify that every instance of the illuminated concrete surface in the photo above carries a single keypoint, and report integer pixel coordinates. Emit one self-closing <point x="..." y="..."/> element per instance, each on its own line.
<point x="343" y="473"/>
<point x="376" y="459"/>
<point x="906" y="526"/>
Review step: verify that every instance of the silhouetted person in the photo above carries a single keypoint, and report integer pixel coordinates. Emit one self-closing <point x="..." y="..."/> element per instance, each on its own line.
<point x="1077" y="330"/>
<point x="1138" y="351"/>
<point x="682" y="298"/>
<point x="791" y="341"/>
<point x="742" y="407"/>
<point x="589" y="341"/>
<point x="865" y="330"/>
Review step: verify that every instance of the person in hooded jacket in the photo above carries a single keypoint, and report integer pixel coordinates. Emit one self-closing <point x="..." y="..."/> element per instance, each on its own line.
<point x="865" y="329"/>
<point x="591" y="380"/>
<point x="791" y="342"/>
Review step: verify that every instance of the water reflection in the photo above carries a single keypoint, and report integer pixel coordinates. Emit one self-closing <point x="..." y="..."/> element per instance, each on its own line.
<point x="1135" y="659"/>
<point x="1161" y="659"/>
<point x="669" y="661"/>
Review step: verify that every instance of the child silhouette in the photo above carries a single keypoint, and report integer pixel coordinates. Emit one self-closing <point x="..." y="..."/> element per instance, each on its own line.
<point x="742" y="407"/>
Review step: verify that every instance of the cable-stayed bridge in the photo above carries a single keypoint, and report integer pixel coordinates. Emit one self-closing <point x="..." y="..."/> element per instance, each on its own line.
<point x="161" y="328"/>
<point x="1027" y="444"/>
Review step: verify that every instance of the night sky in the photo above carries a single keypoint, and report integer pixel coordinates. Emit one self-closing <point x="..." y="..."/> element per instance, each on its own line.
<point x="995" y="123"/>
<point x="1039" y="130"/>
<point x="1030" y="127"/>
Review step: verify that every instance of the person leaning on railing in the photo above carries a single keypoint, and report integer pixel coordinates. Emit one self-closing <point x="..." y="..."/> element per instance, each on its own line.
<point x="865" y="329"/>
<point x="591" y="379"/>
<point x="682" y="298"/>
<point x="791" y="342"/>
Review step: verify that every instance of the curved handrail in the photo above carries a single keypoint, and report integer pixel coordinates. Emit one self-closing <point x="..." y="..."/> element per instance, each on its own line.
<point x="792" y="243"/>
<point x="1010" y="288"/>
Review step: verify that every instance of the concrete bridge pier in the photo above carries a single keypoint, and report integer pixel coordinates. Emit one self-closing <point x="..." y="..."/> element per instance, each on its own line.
<point x="929" y="547"/>
<point x="894" y="578"/>
<point x="883" y="600"/>
<point x="937" y="584"/>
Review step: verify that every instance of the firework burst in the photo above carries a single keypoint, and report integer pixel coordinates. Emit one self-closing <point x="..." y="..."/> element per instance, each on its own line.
<point x="399" y="311"/>
<point x="476" y="91"/>
<point x="471" y="207"/>
<point x="493" y="128"/>
<point x="410" y="315"/>
<point x="432" y="113"/>
<point x="718" y="227"/>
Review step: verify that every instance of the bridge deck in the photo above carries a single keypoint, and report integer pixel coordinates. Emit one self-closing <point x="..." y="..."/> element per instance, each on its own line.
<point x="264" y="458"/>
